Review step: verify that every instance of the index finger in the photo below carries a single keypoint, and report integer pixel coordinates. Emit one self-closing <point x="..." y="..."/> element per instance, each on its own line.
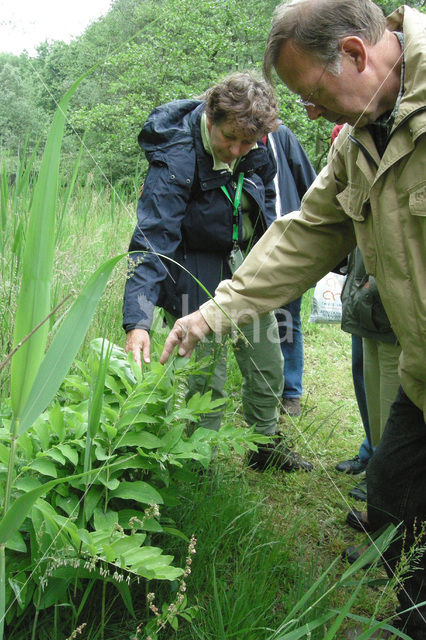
<point x="173" y="339"/>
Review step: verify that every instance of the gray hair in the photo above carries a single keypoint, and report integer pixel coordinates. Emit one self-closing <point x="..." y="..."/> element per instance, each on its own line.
<point x="317" y="27"/>
<point x="246" y="100"/>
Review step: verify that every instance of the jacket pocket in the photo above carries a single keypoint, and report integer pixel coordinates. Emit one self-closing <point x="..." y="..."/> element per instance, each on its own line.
<point x="354" y="202"/>
<point x="417" y="199"/>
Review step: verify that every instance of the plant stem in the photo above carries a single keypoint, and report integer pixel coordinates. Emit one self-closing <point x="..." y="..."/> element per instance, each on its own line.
<point x="37" y="613"/>
<point x="103" y="610"/>
<point x="13" y="431"/>
<point x="2" y="589"/>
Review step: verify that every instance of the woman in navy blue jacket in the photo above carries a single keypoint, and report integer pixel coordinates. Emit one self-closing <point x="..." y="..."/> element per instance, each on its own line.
<point x="208" y="196"/>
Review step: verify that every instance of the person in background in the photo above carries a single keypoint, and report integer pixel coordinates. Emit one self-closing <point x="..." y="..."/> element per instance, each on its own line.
<point x="208" y="197"/>
<point x="349" y="64"/>
<point x="363" y="316"/>
<point x="294" y="176"/>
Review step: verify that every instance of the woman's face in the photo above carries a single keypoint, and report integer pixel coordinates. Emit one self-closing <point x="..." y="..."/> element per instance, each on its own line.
<point x="229" y="143"/>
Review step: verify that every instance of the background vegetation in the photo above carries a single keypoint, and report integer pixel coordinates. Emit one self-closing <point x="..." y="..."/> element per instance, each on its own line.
<point x="148" y="52"/>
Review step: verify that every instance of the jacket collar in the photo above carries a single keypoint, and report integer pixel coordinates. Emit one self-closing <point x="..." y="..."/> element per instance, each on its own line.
<point x="413" y="24"/>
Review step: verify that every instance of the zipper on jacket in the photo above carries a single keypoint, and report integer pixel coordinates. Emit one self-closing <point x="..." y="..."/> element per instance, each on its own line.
<point x="364" y="150"/>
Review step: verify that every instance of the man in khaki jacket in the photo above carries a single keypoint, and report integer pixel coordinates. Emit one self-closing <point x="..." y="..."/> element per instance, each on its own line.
<point x="351" y="66"/>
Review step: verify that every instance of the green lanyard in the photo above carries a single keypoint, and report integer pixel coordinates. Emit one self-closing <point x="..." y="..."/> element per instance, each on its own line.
<point x="236" y="204"/>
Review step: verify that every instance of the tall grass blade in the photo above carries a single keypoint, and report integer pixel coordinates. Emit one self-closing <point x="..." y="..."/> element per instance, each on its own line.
<point x="34" y="296"/>
<point x="69" y="192"/>
<point x="96" y="398"/>
<point x="65" y="345"/>
<point x="4" y="197"/>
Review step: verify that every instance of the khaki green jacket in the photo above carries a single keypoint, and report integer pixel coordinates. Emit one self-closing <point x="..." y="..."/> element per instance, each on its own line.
<point x="358" y="198"/>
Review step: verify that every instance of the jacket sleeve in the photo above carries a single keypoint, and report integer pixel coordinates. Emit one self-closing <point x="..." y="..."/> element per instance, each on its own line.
<point x="299" y="164"/>
<point x="293" y="254"/>
<point x="160" y="212"/>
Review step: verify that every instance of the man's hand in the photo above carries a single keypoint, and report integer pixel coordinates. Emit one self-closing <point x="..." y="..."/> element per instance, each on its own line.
<point x="138" y="340"/>
<point x="186" y="332"/>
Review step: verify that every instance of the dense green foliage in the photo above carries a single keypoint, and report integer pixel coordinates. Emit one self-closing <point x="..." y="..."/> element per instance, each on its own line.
<point x="148" y="52"/>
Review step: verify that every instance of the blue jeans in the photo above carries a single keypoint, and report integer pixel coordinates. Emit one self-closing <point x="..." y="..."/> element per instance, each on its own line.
<point x="396" y="489"/>
<point x="291" y="339"/>
<point x="366" y="449"/>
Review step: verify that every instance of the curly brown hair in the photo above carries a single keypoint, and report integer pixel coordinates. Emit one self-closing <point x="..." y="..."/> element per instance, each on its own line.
<point x="248" y="101"/>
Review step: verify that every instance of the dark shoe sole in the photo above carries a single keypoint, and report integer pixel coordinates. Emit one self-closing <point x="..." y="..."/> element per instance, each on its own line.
<point x="354" y="520"/>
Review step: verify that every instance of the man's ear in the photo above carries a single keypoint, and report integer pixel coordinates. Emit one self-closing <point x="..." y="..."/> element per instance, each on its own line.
<point x="355" y="49"/>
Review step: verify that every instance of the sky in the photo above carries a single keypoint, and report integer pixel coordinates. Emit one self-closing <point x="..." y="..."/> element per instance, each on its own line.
<point x="26" y="23"/>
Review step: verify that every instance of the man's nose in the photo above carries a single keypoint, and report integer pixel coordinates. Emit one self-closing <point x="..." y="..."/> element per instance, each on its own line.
<point x="313" y="112"/>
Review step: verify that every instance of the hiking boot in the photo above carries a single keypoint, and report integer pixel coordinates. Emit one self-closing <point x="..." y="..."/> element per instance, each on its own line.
<point x="352" y="466"/>
<point x="276" y="455"/>
<point x="359" y="492"/>
<point x="291" y="407"/>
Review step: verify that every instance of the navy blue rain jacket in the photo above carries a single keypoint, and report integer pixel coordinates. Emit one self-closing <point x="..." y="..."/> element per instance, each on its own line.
<point x="295" y="173"/>
<point x="184" y="214"/>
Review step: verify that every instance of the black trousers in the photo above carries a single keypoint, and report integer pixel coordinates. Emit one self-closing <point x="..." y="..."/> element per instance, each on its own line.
<point x="396" y="486"/>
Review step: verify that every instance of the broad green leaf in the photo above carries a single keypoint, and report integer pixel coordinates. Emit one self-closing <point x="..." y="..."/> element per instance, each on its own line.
<point x="20" y="507"/>
<point x="41" y="429"/>
<point x="55" y="592"/>
<point x="55" y="455"/>
<point x="16" y="542"/>
<point x="45" y="467"/>
<point x="34" y="295"/>
<point x="56" y="419"/>
<point x="27" y="483"/>
<point x="68" y="504"/>
<point x="141" y="555"/>
<point x="4" y="454"/>
<point x="139" y="491"/>
<point x="69" y="453"/>
<point x="105" y="521"/>
<point x="65" y="345"/>
<point x="172" y="437"/>
<point x="91" y="500"/>
<point x="101" y="454"/>
<point x="128" y="543"/>
<point x="142" y="439"/>
<point x="136" y="416"/>
<point x="160" y="573"/>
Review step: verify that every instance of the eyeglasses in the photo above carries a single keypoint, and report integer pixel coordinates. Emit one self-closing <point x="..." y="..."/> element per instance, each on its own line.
<point x="308" y="101"/>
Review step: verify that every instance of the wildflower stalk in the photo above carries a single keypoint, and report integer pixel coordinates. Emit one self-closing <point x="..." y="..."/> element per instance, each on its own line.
<point x="173" y="608"/>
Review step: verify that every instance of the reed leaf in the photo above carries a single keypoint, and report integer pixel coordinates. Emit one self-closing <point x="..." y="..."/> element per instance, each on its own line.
<point x="65" y="345"/>
<point x="34" y="296"/>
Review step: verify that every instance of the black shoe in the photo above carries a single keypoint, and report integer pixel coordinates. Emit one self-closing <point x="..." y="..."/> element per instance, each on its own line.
<point x="352" y="554"/>
<point x="276" y="455"/>
<point x="354" y="520"/>
<point x="352" y="466"/>
<point x="359" y="492"/>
